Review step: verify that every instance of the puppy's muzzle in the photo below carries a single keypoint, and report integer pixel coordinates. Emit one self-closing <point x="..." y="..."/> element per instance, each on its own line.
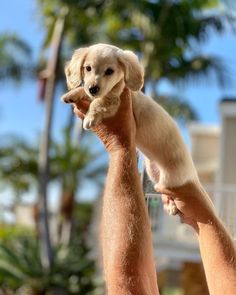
<point x="94" y="90"/>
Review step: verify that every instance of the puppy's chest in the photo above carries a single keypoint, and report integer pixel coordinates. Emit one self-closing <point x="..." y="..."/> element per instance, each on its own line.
<point x="108" y="100"/>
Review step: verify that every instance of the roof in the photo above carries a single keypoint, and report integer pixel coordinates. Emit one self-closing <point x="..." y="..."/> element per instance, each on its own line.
<point x="228" y="99"/>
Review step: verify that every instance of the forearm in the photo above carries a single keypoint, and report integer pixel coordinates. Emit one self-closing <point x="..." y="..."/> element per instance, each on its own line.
<point x="218" y="256"/>
<point x="216" y="246"/>
<point x="126" y="236"/>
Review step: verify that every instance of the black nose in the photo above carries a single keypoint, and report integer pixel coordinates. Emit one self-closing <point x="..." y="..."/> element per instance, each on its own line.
<point x="94" y="90"/>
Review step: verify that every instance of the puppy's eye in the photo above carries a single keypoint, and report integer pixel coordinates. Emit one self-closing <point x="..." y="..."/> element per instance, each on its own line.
<point x="88" y="69"/>
<point x="109" y="72"/>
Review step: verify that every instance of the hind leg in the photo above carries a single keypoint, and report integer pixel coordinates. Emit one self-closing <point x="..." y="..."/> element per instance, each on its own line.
<point x="152" y="170"/>
<point x="157" y="176"/>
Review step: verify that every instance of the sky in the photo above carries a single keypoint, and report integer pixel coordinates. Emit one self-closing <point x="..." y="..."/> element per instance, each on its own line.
<point x="22" y="114"/>
<point x="25" y="115"/>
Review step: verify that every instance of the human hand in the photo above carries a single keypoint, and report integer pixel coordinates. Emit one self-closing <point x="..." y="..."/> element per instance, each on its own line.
<point x="193" y="203"/>
<point x="117" y="132"/>
<point x="74" y="95"/>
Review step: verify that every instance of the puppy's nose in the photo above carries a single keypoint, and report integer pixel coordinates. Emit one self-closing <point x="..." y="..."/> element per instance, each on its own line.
<point x="93" y="90"/>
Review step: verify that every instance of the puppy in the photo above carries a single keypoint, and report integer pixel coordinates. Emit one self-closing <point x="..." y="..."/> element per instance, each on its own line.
<point x="103" y="71"/>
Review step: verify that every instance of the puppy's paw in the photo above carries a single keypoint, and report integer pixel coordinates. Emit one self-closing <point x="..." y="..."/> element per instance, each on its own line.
<point x="91" y="121"/>
<point x="172" y="209"/>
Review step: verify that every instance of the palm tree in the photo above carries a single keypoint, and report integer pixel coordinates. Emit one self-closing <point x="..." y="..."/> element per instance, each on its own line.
<point x="21" y="270"/>
<point x="14" y="57"/>
<point x="166" y="34"/>
<point x="75" y="168"/>
<point x="18" y="166"/>
<point x="70" y="165"/>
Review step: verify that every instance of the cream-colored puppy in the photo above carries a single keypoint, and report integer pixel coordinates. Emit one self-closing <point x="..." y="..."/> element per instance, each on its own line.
<point x="103" y="71"/>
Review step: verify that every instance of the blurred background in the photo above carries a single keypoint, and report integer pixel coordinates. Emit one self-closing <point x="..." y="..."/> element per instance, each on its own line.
<point x="52" y="172"/>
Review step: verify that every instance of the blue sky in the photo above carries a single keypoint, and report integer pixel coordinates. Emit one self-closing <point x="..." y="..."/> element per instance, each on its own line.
<point x="22" y="114"/>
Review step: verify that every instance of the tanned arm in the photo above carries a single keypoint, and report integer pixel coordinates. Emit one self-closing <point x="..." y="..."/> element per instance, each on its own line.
<point x="126" y="237"/>
<point x="217" y="247"/>
<point x="125" y="230"/>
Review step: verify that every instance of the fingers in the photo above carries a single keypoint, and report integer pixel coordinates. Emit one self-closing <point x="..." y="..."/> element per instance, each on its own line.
<point x="169" y="205"/>
<point x="165" y="199"/>
<point x="125" y="93"/>
<point x="72" y="96"/>
<point x="78" y="113"/>
<point x="163" y="190"/>
<point x="82" y="105"/>
<point x="166" y="202"/>
<point x="80" y="108"/>
<point x="126" y="102"/>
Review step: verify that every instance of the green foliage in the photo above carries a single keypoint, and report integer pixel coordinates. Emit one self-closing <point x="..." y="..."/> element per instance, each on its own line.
<point x="83" y="213"/>
<point x="166" y="34"/>
<point x="14" y="57"/>
<point x="72" y="271"/>
<point x="18" y="165"/>
<point x="161" y="32"/>
<point x="8" y="232"/>
<point x="70" y="164"/>
<point x="81" y="223"/>
<point x="171" y="291"/>
<point x="178" y="108"/>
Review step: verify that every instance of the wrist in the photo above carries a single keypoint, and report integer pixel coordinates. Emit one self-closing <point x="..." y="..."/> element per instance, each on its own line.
<point x="200" y="219"/>
<point x="195" y="205"/>
<point x="117" y="145"/>
<point x="208" y="220"/>
<point x="121" y="149"/>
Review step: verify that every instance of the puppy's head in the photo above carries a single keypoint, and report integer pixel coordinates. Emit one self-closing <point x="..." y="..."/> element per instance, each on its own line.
<point x="100" y="67"/>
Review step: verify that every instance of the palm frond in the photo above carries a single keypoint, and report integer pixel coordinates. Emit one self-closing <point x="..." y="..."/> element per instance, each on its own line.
<point x="14" y="58"/>
<point x="20" y="265"/>
<point x="18" y="164"/>
<point x="196" y="68"/>
<point x="14" y="42"/>
<point x="177" y="107"/>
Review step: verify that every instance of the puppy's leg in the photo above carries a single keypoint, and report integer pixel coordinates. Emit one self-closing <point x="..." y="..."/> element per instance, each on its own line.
<point x="99" y="109"/>
<point x="152" y="170"/>
<point x="160" y="140"/>
<point x="74" y="95"/>
<point x="154" y="174"/>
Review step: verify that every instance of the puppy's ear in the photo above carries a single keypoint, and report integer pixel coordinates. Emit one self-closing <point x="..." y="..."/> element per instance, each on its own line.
<point x="74" y="68"/>
<point x="132" y="69"/>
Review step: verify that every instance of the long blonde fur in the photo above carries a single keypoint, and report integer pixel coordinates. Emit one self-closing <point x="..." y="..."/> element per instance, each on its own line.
<point x="168" y="160"/>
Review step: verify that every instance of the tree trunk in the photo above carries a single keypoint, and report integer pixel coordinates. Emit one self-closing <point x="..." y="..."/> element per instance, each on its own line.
<point x="66" y="217"/>
<point x="44" y="169"/>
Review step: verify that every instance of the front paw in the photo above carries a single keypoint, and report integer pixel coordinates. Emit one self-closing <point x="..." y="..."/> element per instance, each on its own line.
<point x="90" y="121"/>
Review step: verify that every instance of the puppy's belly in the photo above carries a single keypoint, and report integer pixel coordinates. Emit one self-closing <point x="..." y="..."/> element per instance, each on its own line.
<point x="173" y="171"/>
<point x="169" y="162"/>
